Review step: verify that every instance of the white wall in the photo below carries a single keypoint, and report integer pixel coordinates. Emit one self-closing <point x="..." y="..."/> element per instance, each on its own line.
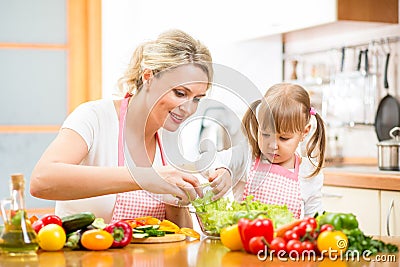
<point x="127" y="23"/>
<point x="260" y="59"/>
<point x="120" y="34"/>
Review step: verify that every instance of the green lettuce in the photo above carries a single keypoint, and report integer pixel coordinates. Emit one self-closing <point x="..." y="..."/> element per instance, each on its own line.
<point x="215" y="215"/>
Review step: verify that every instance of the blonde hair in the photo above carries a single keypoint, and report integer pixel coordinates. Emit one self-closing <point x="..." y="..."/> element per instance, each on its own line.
<point x="171" y="49"/>
<point x="288" y="107"/>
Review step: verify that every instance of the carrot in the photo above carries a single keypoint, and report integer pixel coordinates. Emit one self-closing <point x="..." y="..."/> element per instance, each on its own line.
<point x="281" y="230"/>
<point x="33" y="219"/>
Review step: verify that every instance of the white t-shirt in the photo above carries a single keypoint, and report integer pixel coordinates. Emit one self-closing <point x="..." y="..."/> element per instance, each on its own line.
<point x="238" y="159"/>
<point x="97" y="122"/>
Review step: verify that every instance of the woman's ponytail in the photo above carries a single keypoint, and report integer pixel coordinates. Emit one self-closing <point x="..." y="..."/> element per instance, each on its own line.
<point x="132" y="77"/>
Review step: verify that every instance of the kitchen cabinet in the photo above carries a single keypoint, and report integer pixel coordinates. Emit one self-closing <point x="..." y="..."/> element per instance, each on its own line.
<point x="330" y="14"/>
<point x="378" y="211"/>
<point x="335" y="24"/>
<point x="341" y="14"/>
<point x="364" y="203"/>
<point x="390" y="213"/>
<point x="368" y="10"/>
<point x="376" y="195"/>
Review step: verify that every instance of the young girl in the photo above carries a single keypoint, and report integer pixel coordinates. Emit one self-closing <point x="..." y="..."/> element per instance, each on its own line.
<point x="276" y="174"/>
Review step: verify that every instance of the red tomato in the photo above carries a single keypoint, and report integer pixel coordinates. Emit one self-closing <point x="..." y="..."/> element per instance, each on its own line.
<point x="294" y="245"/>
<point x="308" y="246"/>
<point x="305" y="227"/>
<point x="291" y="235"/>
<point x="312" y="222"/>
<point x="326" y="227"/>
<point x="300" y="231"/>
<point x="49" y="219"/>
<point x="277" y="244"/>
<point x="46" y="220"/>
<point x="37" y="225"/>
<point x="303" y="224"/>
<point x="257" y="244"/>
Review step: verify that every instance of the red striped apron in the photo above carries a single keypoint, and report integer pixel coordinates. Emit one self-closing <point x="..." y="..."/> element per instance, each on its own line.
<point x="273" y="184"/>
<point x="137" y="203"/>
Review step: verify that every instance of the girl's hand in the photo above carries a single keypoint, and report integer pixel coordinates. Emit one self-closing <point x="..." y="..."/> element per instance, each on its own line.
<point x="221" y="182"/>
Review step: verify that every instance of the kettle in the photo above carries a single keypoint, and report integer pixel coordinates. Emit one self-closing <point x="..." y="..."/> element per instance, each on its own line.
<point x="389" y="152"/>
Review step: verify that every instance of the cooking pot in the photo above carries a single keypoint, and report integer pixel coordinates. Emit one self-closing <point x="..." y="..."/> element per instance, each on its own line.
<point x="389" y="152"/>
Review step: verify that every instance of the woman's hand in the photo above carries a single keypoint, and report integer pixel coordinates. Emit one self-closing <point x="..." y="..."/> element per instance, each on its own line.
<point x="174" y="201"/>
<point x="177" y="211"/>
<point x="168" y="180"/>
<point x="221" y="182"/>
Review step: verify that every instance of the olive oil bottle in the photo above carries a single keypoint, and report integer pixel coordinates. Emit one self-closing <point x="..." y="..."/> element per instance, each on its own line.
<point x="17" y="237"/>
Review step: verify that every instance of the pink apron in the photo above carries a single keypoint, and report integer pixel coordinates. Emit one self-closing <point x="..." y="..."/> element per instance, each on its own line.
<point x="138" y="203"/>
<point x="273" y="184"/>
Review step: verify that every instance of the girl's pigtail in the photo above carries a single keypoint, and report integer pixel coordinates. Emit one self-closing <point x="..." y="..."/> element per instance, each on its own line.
<point x="250" y="127"/>
<point x="317" y="142"/>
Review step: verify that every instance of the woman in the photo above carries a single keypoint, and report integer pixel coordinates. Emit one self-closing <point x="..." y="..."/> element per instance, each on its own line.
<point x="165" y="80"/>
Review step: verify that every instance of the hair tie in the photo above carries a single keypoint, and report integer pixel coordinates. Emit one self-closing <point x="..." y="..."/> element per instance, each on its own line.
<point x="128" y="94"/>
<point x="313" y="111"/>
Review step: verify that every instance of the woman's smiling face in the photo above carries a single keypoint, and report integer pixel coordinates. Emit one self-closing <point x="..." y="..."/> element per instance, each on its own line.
<point x="175" y="95"/>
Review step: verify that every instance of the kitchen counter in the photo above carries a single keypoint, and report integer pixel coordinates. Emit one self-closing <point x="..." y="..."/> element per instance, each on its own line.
<point x="360" y="176"/>
<point x="206" y="252"/>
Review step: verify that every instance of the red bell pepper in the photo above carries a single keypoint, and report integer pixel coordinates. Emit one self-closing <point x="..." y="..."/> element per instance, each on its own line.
<point x="45" y="220"/>
<point x="121" y="232"/>
<point x="257" y="227"/>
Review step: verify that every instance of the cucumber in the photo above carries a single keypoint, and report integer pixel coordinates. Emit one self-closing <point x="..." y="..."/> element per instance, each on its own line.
<point x="77" y="221"/>
<point x="153" y="232"/>
<point x="137" y="235"/>
<point x="144" y="227"/>
<point x="134" y="230"/>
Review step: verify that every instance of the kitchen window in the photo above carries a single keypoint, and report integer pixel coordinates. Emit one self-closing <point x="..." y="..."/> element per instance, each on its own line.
<point x="50" y="62"/>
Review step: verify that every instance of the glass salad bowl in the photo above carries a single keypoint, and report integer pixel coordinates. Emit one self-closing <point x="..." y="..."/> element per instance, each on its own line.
<point x="214" y="215"/>
<point x="205" y="228"/>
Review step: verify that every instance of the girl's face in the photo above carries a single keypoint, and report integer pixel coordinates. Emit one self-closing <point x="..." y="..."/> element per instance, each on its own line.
<point x="176" y="94"/>
<point x="279" y="148"/>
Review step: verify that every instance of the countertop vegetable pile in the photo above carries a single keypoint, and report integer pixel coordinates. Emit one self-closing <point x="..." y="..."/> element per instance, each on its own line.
<point x="327" y="234"/>
<point x="80" y="231"/>
<point x="85" y="231"/>
<point x="357" y="240"/>
<point x="215" y="215"/>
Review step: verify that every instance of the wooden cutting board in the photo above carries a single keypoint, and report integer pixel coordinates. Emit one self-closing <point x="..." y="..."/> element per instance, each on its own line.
<point x="160" y="239"/>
